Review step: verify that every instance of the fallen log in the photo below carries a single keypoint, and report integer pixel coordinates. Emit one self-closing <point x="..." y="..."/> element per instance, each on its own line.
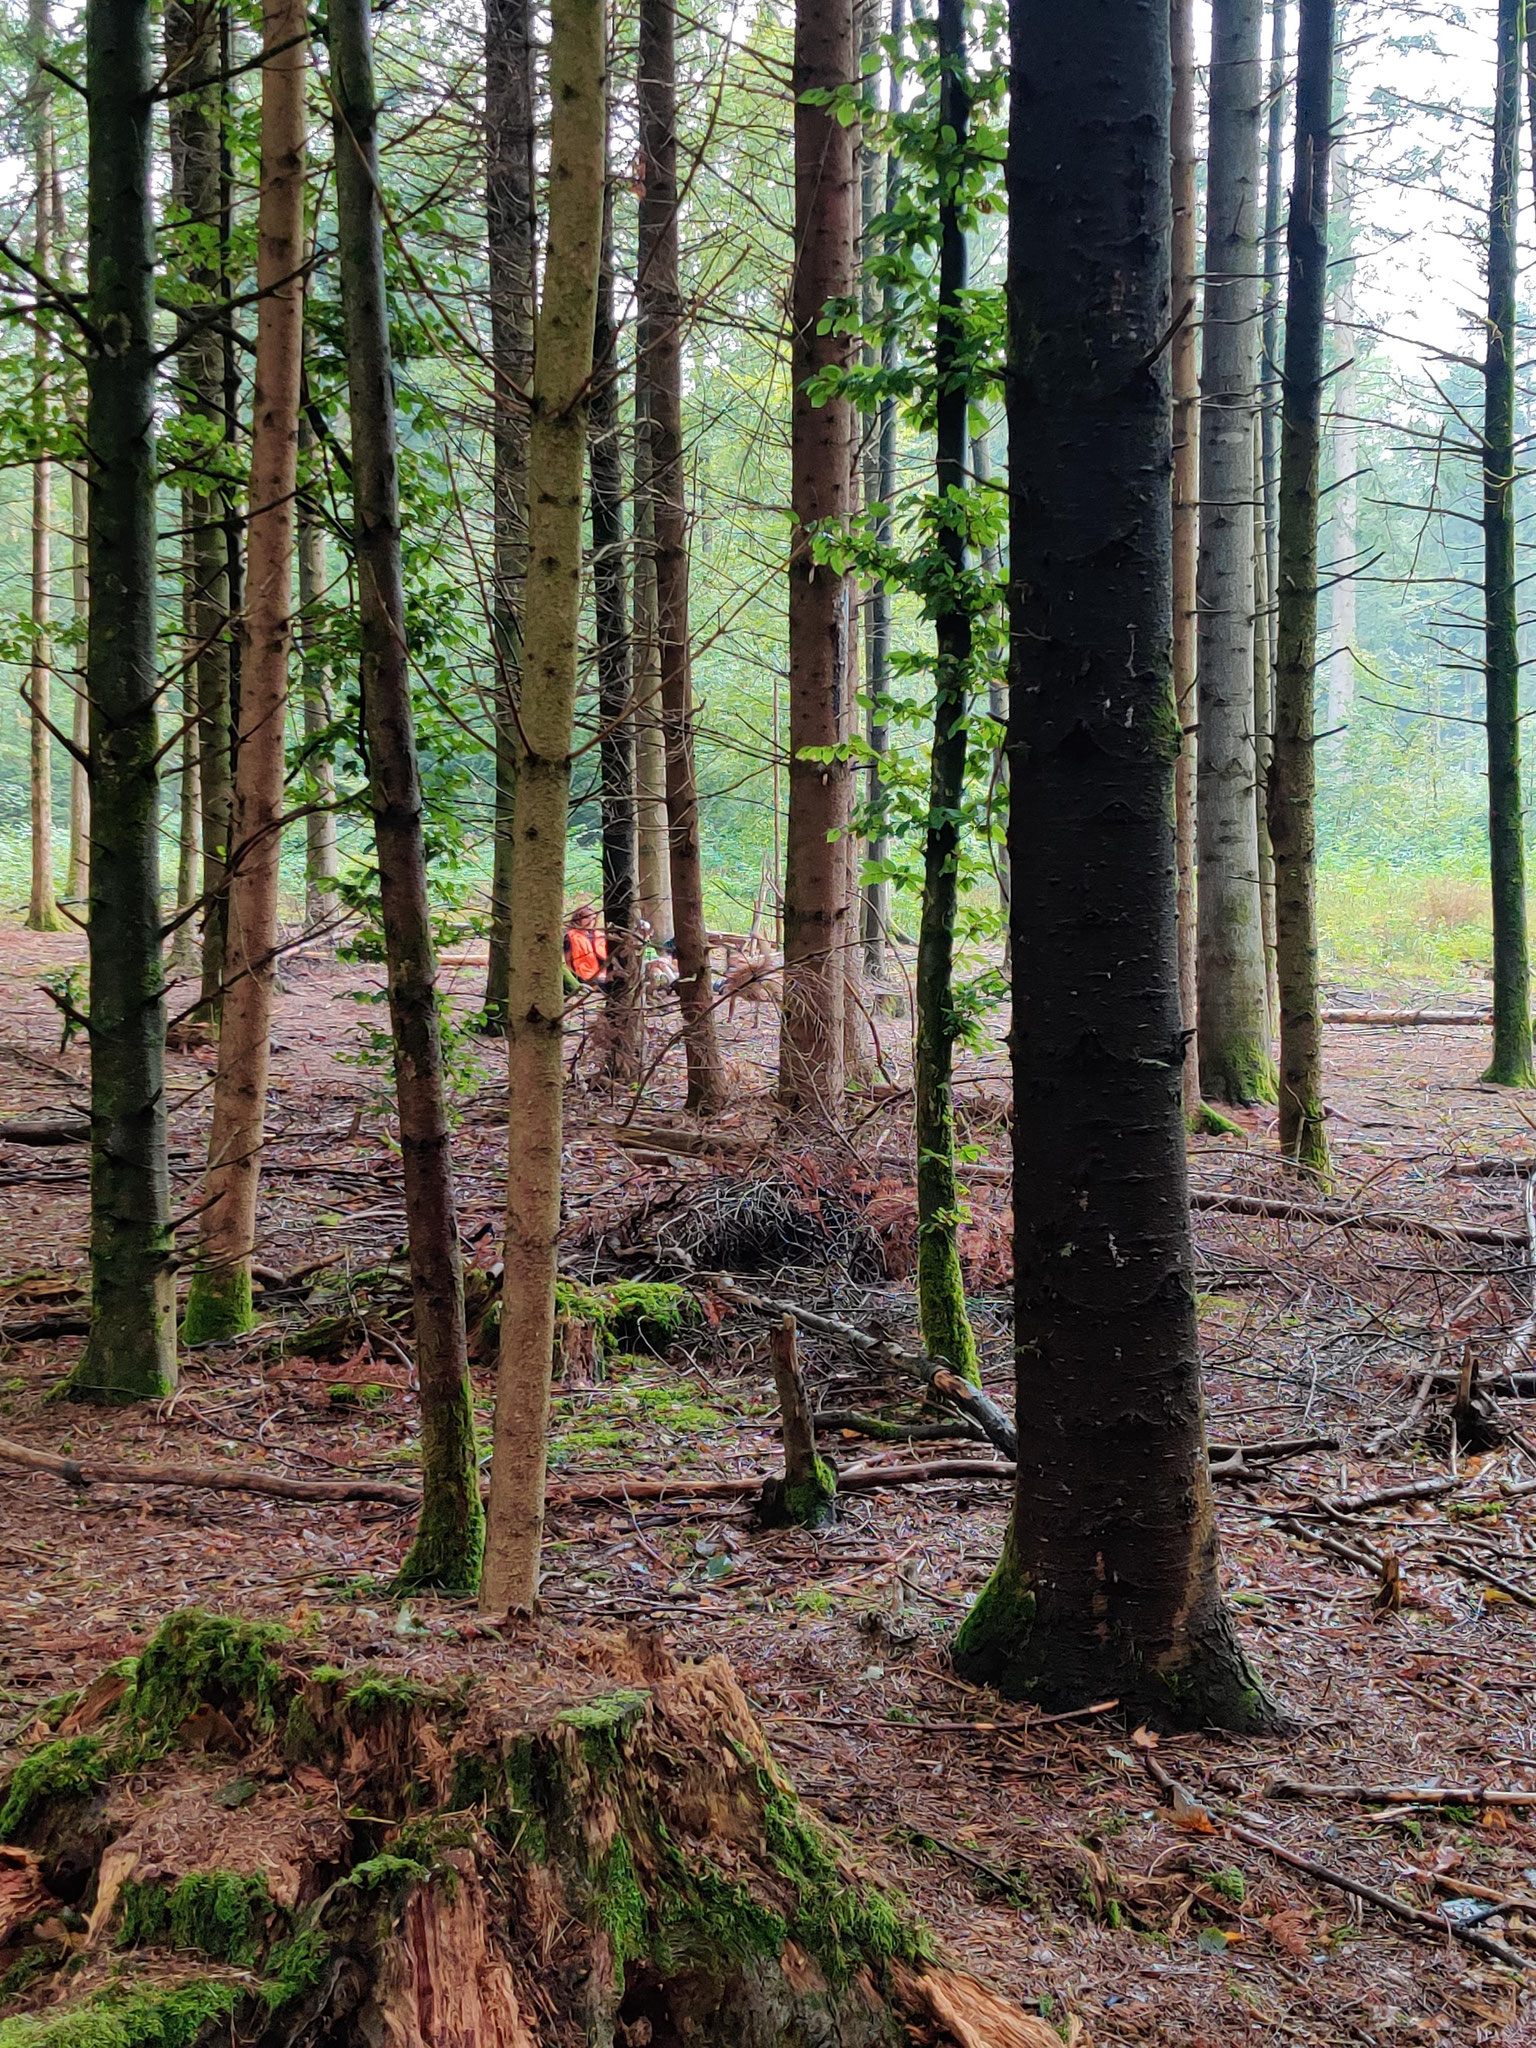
<point x="1335" y="1214"/>
<point x="1401" y="1018"/>
<point x="73" y="1130"/>
<point x="1401" y="1795"/>
<point x="230" y="1478"/>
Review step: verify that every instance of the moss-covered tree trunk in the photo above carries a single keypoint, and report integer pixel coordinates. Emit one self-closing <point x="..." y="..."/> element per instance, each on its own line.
<point x="536" y="1003"/>
<point x="1185" y="356"/>
<point x="1511" y="1063"/>
<point x="940" y="1286"/>
<point x="1235" y="1064"/>
<point x="660" y="364"/>
<point x="582" y="1845"/>
<point x="1292" y="824"/>
<point x="450" y="1533"/>
<point x="1108" y="1584"/>
<point x="131" y="1355"/>
<point x="510" y="236"/>
<point x="219" y="1294"/>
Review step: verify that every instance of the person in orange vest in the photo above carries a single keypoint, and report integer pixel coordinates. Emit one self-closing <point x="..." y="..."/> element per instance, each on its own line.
<point x="586" y="949"/>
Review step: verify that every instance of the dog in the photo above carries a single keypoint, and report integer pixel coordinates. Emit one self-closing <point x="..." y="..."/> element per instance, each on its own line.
<point x="753" y="974"/>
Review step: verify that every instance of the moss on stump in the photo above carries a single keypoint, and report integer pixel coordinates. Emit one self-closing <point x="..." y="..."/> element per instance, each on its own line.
<point x="588" y="1836"/>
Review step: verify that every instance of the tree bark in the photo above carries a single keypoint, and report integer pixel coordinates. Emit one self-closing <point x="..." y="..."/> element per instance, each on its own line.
<point x="1511" y="1062"/>
<point x="77" y="879"/>
<point x="510" y="234"/>
<point x="1344" y="498"/>
<point x="556" y="457"/>
<point x="1269" y="330"/>
<point x="1107" y="1586"/>
<point x="42" y="903"/>
<point x="219" y="1295"/>
<point x="1235" y="1063"/>
<point x="321" y="859"/>
<point x="616" y="742"/>
<point x="450" y="1533"/>
<point x="878" y="193"/>
<point x="1185" y="353"/>
<point x="183" y="957"/>
<point x="940" y="1286"/>
<point x="817" y="923"/>
<point x="131" y="1353"/>
<point x="653" y="876"/>
<point x="1264" y="736"/>
<point x="660" y="363"/>
<point x="1303" y="1135"/>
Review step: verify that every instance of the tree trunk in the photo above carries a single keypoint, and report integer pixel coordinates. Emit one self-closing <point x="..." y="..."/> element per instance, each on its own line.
<point x="1264" y="740"/>
<point x="1269" y="331"/>
<point x="654" y="880"/>
<point x="616" y="743"/>
<point x="660" y="363"/>
<point x="322" y="904"/>
<point x="997" y="685"/>
<point x="77" y="879"/>
<point x="450" y="1533"/>
<point x="510" y="233"/>
<point x="940" y="1287"/>
<point x="42" y="903"/>
<point x="219" y="1296"/>
<point x="1344" y="498"/>
<point x="878" y="194"/>
<point x="556" y="457"/>
<point x="1511" y="1062"/>
<point x="1303" y="1136"/>
<point x="1235" y="1061"/>
<point x="816" y="909"/>
<point x="131" y="1355"/>
<point x="1108" y="1584"/>
<point x="183" y="958"/>
<point x="1185" y="351"/>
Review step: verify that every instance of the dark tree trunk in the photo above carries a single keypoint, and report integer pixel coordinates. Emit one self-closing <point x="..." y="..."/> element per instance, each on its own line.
<point x="616" y="744"/>
<point x="42" y="907"/>
<point x="1303" y="1137"/>
<point x="1108" y="1583"/>
<point x="1266" y="503"/>
<point x="817" y="922"/>
<point x="1185" y="355"/>
<point x="321" y="862"/>
<point x="1511" y="1063"/>
<point x="876" y="193"/>
<point x="660" y="363"/>
<point x="131" y="1355"/>
<point x="510" y="229"/>
<point x="940" y="1288"/>
<point x="451" y="1532"/>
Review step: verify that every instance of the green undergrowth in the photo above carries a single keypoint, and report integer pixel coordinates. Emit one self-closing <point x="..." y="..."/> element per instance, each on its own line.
<point x="626" y="1316"/>
<point x="70" y="1768"/>
<point x="215" y="1913"/>
<point x="151" y="2016"/>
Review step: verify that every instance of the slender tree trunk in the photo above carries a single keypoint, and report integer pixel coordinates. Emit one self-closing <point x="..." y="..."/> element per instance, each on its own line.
<point x="1511" y="1062"/>
<point x="1344" y="498"/>
<point x="78" y="876"/>
<point x="1303" y="1136"/>
<point x="616" y="745"/>
<point x="321" y="857"/>
<point x="556" y="455"/>
<point x="660" y="363"/>
<point x="131" y="1354"/>
<point x="510" y="232"/>
<point x="940" y="1287"/>
<point x="42" y="903"/>
<point x="1269" y="330"/>
<point x="450" y="1534"/>
<point x="654" y="880"/>
<point x="1234" y="1046"/>
<point x="183" y="958"/>
<point x="1108" y="1583"/>
<point x="875" y="195"/>
<point x="219" y="1296"/>
<point x="180" y="53"/>
<point x="1185" y="354"/>
<point x="997" y="687"/>
<point x="1264" y="742"/>
<point x="816" y="911"/>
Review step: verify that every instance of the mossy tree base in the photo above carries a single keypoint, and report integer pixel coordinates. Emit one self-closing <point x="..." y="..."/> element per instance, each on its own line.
<point x="219" y="1304"/>
<point x="1239" y="1073"/>
<point x="595" y="1836"/>
<point x="1510" y="1073"/>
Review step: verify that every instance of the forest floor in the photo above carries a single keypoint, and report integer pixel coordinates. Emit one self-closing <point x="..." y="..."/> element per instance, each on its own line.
<point x="1041" y="1855"/>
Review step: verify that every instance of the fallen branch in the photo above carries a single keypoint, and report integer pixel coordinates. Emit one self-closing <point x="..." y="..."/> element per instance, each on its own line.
<point x="223" y="1478"/>
<point x="72" y="1130"/>
<point x="1251" y="1461"/>
<point x="1472" y="1570"/>
<point x="1389" y="1496"/>
<point x="1334" y="1214"/>
<point x="1401" y="1018"/>
<point x="1401" y="1795"/>
<point x="859" y="1424"/>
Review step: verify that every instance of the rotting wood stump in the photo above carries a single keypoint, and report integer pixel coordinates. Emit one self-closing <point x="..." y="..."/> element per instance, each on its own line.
<point x="586" y="1842"/>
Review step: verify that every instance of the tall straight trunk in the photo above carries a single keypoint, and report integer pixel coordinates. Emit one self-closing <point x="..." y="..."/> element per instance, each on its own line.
<point x="219" y="1296"/>
<point x="131" y="1353"/>
<point x="1185" y="357"/>
<point x="321" y="856"/>
<point x="510" y="230"/>
<point x="556" y="456"/>
<point x="940" y="1286"/>
<point x="997" y="687"/>
<point x="1269" y="329"/>
<point x="653" y="872"/>
<point x="1344" y="498"/>
<point x="875" y="193"/>
<point x="1303" y="1136"/>
<point x="183" y="956"/>
<point x="660" y="363"/>
<point x="616" y="743"/>
<point x="1235" y="1063"/>
<point x="816" y="910"/>
<point x="78" y="873"/>
<point x="1511" y="1062"/>
<point x="1264" y="739"/>
<point x="193" y="62"/>
<point x="450" y="1533"/>
<point x="42" y="903"/>
<point x="1107" y="1586"/>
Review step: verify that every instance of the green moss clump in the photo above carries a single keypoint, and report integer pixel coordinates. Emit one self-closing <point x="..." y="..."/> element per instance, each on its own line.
<point x="647" y="1315"/>
<point x="706" y="1915"/>
<point x="602" y="1722"/>
<point x="197" y="1659"/>
<point x="387" y="1872"/>
<point x="812" y="1501"/>
<point x="993" y="1638"/>
<point x="162" y="2017"/>
<point x="212" y="1912"/>
<point x="294" y="1968"/>
<point x="72" y="1768"/>
<point x="842" y="1925"/>
<point x="219" y="1304"/>
<point x="619" y="1908"/>
<point x="373" y="1697"/>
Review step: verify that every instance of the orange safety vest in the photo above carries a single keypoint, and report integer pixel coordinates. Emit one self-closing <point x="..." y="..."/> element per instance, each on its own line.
<point x="585" y="952"/>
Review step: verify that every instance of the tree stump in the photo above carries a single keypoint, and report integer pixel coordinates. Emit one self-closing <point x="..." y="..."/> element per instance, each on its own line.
<point x="807" y="1493"/>
<point x="587" y="1843"/>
